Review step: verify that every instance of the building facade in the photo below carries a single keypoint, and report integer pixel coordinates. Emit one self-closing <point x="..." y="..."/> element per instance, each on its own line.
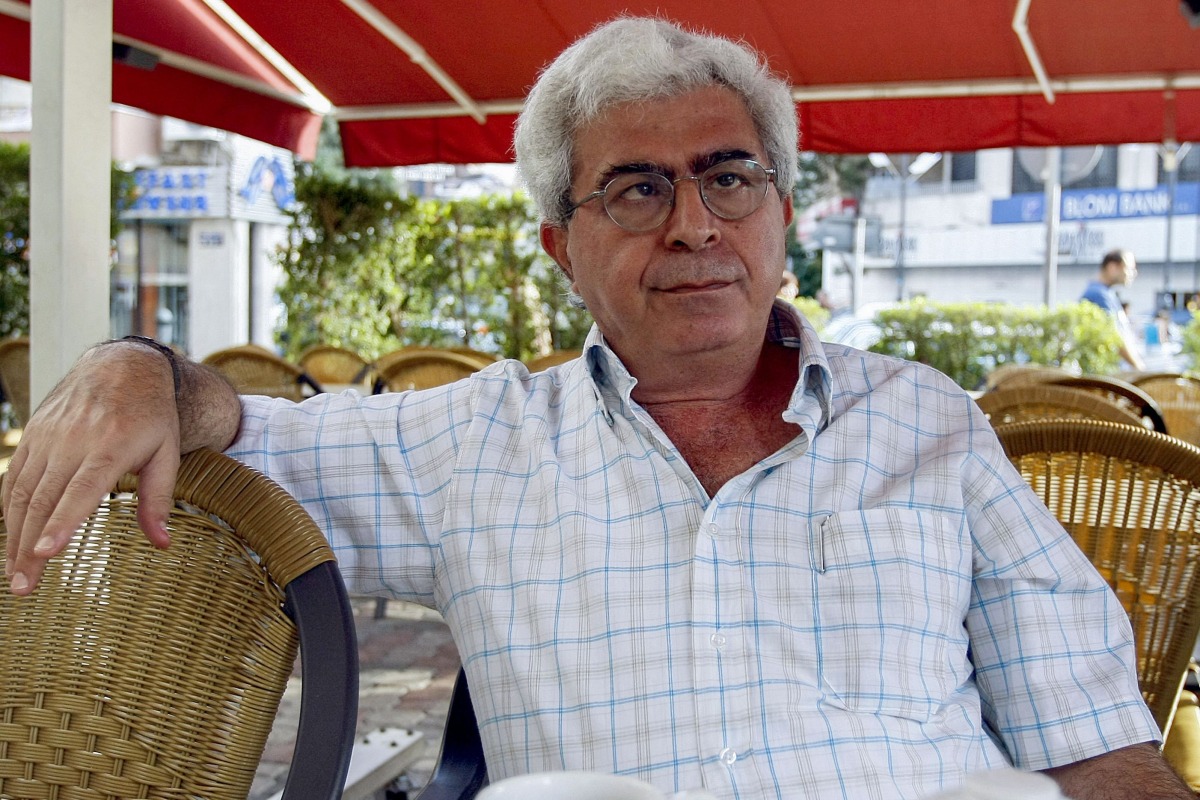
<point x="975" y="228"/>
<point x="194" y="263"/>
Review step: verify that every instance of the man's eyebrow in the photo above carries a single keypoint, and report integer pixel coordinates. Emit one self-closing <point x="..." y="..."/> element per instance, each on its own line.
<point x="697" y="165"/>
<point x="632" y="167"/>
<point x="707" y="160"/>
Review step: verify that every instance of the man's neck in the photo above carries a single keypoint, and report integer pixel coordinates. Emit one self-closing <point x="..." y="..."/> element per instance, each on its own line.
<point x="726" y="426"/>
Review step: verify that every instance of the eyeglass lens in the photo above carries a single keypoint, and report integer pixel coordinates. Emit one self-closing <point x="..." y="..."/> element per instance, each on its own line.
<point x="641" y="201"/>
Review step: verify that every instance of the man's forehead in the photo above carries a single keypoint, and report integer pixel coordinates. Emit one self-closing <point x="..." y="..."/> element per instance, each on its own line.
<point x="678" y="131"/>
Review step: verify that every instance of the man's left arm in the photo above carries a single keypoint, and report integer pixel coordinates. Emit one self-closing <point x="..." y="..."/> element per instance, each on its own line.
<point x="1137" y="771"/>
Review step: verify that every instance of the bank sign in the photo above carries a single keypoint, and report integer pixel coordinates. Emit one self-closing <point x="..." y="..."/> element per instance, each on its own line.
<point x="1082" y="205"/>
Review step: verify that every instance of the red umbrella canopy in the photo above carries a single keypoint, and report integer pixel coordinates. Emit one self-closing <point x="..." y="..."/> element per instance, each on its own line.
<point x="870" y="75"/>
<point x="178" y="58"/>
<point x="419" y="81"/>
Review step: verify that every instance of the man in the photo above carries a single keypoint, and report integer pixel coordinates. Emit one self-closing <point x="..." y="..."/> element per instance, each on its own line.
<point x="1118" y="268"/>
<point x="711" y="552"/>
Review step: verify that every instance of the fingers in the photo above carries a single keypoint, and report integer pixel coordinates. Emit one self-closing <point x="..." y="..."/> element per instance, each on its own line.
<point x="114" y="413"/>
<point x="156" y="487"/>
<point x="45" y="506"/>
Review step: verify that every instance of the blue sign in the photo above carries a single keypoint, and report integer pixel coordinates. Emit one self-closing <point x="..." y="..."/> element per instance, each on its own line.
<point x="269" y="173"/>
<point x="177" y="192"/>
<point x="1082" y="205"/>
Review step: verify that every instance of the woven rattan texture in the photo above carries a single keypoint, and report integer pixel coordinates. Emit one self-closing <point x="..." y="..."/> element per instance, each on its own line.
<point x="253" y="370"/>
<point x="1179" y="398"/>
<point x="14" y="375"/>
<point x="552" y="359"/>
<point x="328" y="364"/>
<point x="138" y="672"/>
<point x="1042" y="401"/>
<point x="424" y="369"/>
<point x="1130" y="498"/>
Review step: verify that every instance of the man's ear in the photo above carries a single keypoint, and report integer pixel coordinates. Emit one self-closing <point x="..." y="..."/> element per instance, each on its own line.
<point x="788" y="210"/>
<point x="554" y="242"/>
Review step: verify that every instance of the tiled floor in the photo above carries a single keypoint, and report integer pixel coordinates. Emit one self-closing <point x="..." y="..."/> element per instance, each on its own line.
<point x="407" y="664"/>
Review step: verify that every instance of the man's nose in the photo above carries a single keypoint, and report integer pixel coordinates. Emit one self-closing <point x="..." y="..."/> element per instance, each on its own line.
<point x="690" y="224"/>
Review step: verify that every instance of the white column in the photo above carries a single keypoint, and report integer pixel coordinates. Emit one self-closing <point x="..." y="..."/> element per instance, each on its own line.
<point x="70" y="155"/>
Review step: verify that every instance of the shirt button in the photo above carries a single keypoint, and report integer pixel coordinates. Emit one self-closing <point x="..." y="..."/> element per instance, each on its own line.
<point x="717" y="640"/>
<point x="728" y="756"/>
<point x="713" y="530"/>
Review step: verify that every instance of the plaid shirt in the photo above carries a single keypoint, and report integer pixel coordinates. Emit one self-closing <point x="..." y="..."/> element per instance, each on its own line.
<point x="873" y="611"/>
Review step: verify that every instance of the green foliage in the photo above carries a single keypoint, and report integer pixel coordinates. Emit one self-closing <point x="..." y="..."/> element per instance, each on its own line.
<point x="14" y="239"/>
<point x="967" y="340"/>
<point x="1191" y="342"/>
<point x="813" y="311"/>
<point x="340" y="287"/>
<point x="372" y="271"/>
<point x="14" y="233"/>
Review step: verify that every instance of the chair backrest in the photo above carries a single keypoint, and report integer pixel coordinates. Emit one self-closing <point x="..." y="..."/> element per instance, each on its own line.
<point x="422" y="368"/>
<point x="138" y="672"/>
<point x="461" y="771"/>
<point x="14" y="376"/>
<point x="253" y="370"/>
<point x="1130" y="498"/>
<point x="1042" y="401"/>
<point x="329" y="364"/>
<point x="1179" y="398"/>
<point x="1122" y="393"/>
<point x="1013" y="374"/>
<point x="552" y="359"/>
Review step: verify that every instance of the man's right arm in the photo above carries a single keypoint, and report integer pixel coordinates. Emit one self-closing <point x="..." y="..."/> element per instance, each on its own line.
<point x="116" y="411"/>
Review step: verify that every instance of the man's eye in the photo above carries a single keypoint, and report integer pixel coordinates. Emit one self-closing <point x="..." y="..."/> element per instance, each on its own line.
<point x="728" y="180"/>
<point x="640" y="191"/>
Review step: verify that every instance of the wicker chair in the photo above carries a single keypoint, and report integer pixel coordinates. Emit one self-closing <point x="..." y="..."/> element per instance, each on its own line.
<point x="138" y="672"/>
<point x="1130" y="498"/>
<point x="1009" y="375"/>
<point x="1122" y="393"/>
<point x="552" y="359"/>
<point x="328" y="364"/>
<point x="253" y="370"/>
<point x="461" y="771"/>
<point x="422" y="368"/>
<point x="1179" y="398"/>
<point x="1041" y="401"/>
<point x="14" y="376"/>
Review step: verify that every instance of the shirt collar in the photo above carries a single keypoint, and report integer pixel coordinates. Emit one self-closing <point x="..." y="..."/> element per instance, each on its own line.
<point x="810" y="405"/>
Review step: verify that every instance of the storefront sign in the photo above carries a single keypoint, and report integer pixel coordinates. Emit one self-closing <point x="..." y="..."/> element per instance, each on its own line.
<point x="178" y="193"/>
<point x="1081" y="205"/>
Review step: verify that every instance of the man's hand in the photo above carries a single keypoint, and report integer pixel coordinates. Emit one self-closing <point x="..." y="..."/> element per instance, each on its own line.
<point x="115" y="412"/>
<point x="1138" y="771"/>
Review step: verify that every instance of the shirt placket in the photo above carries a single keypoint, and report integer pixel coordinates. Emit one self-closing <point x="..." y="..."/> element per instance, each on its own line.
<point x="721" y="655"/>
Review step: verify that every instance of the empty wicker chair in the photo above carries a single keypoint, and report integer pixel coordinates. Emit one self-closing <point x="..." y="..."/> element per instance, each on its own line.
<point x="330" y="366"/>
<point x="1041" y="401"/>
<point x="1122" y="393"/>
<point x="138" y="672"/>
<point x="14" y="376"/>
<point x="1179" y="398"/>
<point x="422" y="368"/>
<point x="1012" y="374"/>
<point x="253" y="370"/>
<point x="1130" y="498"/>
<point x="552" y="359"/>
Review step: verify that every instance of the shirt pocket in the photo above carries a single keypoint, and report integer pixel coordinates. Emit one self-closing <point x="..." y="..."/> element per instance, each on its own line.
<point x="892" y="590"/>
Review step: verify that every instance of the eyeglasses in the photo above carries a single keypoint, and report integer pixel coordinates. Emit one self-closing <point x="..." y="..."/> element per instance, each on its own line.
<point x="641" y="201"/>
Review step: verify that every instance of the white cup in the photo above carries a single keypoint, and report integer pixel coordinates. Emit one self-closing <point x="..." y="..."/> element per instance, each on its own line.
<point x="579" y="785"/>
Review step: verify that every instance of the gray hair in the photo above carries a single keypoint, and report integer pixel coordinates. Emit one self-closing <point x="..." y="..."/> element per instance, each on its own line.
<point x="630" y="60"/>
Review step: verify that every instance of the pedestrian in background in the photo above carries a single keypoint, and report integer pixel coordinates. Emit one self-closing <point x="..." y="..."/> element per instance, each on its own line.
<point x="1118" y="268"/>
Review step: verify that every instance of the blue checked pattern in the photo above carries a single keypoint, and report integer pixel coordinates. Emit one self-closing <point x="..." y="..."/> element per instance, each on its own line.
<point x="872" y="612"/>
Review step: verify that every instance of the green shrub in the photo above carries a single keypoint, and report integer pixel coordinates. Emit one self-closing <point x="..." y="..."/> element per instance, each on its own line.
<point x="1191" y="341"/>
<point x="968" y="340"/>
<point x="817" y="314"/>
